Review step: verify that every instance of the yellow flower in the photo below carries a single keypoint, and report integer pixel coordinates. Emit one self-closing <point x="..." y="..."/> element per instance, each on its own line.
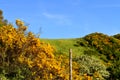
<point x="51" y="76"/>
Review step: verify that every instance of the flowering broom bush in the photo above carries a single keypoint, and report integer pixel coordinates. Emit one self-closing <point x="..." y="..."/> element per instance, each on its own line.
<point x="24" y="56"/>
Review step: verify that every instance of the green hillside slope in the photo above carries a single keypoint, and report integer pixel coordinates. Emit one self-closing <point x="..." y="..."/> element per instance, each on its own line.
<point x="63" y="45"/>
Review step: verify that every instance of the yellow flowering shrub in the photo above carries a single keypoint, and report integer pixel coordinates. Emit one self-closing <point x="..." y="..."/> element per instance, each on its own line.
<point x="26" y="52"/>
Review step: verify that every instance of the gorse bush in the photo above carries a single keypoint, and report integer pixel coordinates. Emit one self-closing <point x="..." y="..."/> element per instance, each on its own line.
<point x="104" y="44"/>
<point x="108" y="49"/>
<point x="24" y="56"/>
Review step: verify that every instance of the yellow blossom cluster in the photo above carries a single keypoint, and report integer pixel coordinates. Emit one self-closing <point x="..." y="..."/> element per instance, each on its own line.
<point x="20" y="49"/>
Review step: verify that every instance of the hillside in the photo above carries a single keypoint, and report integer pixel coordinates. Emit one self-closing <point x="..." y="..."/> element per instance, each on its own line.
<point x="99" y="45"/>
<point x="63" y="45"/>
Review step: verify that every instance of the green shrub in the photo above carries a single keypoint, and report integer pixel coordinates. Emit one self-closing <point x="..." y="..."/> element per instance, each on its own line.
<point x="91" y="52"/>
<point x="2" y="77"/>
<point x="92" y="67"/>
<point x="81" y="42"/>
<point x="114" y="70"/>
<point x="117" y="36"/>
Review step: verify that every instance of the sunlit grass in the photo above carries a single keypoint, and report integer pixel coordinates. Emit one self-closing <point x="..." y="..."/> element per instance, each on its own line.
<point x="63" y="45"/>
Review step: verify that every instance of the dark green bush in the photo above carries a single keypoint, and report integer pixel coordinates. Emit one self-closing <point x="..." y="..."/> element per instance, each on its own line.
<point x="117" y="36"/>
<point x="114" y="70"/>
<point x="81" y="42"/>
<point x="91" y="52"/>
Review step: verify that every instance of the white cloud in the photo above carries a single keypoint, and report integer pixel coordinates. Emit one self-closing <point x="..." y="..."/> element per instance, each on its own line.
<point x="58" y="18"/>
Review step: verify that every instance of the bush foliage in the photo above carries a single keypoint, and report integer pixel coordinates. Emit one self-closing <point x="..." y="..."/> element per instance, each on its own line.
<point x="24" y="56"/>
<point x="104" y="44"/>
<point x="93" y="67"/>
<point x="107" y="47"/>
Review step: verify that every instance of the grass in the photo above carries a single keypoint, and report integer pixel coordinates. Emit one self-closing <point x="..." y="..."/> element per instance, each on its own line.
<point x="63" y="45"/>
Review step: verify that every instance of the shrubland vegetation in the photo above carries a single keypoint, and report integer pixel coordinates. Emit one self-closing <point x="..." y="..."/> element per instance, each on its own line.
<point x="23" y="56"/>
<point x="107" y="48"/>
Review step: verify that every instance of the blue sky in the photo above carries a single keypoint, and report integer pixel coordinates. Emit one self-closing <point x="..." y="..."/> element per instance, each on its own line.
<point x="65" y="18"/>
